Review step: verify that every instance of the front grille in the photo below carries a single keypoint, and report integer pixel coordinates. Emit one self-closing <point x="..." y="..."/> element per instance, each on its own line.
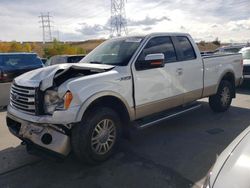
<point x="22" y="98"/>
<point x="246" y="69"/>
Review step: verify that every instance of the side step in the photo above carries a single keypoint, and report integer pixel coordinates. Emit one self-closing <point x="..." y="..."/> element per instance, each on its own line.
<point x="157" y="118"/>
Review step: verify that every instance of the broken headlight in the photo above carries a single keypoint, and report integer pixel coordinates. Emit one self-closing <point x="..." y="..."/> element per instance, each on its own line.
<point x="53" y="102"/>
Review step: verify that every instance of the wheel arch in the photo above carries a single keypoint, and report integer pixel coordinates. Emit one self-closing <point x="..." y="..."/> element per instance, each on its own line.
<point x="108" y="99"/>
<point x="228" y="76"/>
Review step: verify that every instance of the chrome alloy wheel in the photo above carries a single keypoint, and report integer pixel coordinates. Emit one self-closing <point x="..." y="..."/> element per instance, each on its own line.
<point x="225" y="96"/>
<point x="103" y="136"/>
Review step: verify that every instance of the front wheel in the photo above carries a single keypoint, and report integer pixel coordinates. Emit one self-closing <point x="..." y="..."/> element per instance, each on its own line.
<point x="95" y="139"/>
<point x="221" y="101"/>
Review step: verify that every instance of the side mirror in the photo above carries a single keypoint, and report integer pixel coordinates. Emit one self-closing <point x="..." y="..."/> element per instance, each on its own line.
<point x="155" y="60"/>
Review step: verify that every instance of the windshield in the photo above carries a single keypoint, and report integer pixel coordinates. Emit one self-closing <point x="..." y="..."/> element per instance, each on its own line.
<point x="246" y="54"/>
<point x="114" y="52"/>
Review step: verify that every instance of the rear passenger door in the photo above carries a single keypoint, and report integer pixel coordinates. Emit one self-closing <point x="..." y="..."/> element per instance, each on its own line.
<point x="190" y="68"/>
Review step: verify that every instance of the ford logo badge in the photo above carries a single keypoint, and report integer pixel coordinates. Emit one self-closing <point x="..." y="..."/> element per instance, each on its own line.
<point x="15" y="96"/>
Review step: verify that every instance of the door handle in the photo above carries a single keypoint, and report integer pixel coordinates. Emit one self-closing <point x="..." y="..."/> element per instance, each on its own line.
<point x="179" y="71"/>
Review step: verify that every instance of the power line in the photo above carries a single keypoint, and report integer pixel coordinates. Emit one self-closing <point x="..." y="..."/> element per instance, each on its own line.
<point x="46" y="27"/>
<point x="118" y="20"/>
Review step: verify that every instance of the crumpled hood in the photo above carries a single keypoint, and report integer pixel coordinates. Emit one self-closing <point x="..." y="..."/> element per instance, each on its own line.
<point x="45" y="76"/>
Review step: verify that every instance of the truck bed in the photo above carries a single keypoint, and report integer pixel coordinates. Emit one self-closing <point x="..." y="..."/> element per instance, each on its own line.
<point x="216" y="65"/>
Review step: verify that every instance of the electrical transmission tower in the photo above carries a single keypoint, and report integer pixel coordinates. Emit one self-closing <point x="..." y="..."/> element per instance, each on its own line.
<point x="46" y="27"/>
<point x="118" y="20"/>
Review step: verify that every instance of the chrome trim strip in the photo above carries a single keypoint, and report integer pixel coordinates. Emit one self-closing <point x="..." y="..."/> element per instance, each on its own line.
<point x="23" y="99"/>
<point x="26" y="98"/>
<point x="23" y="87"/>
<point x="21" y="95"/>
<point x="170" y="116"/>
<point x="28" y="92"/>
<point x="29" y="106"/>
<point x="21" y="109"/>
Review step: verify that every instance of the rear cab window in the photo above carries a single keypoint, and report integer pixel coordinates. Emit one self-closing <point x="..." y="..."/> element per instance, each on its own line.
<point x="185" y="48"/>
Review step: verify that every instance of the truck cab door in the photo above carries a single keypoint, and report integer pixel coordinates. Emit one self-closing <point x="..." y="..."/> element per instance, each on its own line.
<point x="190" y="68"/>
<point x="157" y="89"/>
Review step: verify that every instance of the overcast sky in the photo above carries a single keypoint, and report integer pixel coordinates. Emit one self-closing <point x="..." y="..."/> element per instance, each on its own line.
<point x="229" y="20"/>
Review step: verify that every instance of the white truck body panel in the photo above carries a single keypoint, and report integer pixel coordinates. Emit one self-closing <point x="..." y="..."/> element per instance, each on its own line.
<point x="142" y="92"/>
<point x="216" y="67"/>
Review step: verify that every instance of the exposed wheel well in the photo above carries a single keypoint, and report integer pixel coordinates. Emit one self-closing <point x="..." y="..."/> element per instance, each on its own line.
<point x="230" y="78"/>
<point x="114" y="103"/>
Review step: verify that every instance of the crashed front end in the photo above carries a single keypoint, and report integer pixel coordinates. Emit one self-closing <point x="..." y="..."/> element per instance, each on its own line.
<point x="42" y="109"/>
<point x="50" y="138"/>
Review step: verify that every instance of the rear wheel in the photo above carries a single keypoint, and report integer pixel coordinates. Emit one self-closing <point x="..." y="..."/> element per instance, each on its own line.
<point x="95" y="139"/>
<point x="221" y="101"/>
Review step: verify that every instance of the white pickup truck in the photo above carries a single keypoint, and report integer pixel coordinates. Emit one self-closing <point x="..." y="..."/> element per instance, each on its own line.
<point x="131" y="81"/>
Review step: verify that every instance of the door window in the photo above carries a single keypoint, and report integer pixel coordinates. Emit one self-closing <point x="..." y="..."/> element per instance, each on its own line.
<point x="158" y="45"/>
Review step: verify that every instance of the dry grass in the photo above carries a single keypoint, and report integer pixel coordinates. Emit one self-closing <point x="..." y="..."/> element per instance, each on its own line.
<point x="207" y="46"/>
<point x="89" y="45"/>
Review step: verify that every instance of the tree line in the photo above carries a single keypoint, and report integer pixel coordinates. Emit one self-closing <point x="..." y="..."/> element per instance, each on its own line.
<point x="43" y="50"/>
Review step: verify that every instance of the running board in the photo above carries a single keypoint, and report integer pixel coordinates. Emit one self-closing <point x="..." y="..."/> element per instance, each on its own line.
<point x="155" y="119"/>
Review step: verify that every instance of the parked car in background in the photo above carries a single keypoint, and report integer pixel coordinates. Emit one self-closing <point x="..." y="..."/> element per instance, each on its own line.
<point x="44" y="60"/>
<point x="246" y="62"/>
<point x="232" y="168"/>
<point x="229" y="49"/>
<point x="11" y="66"/>
<point x="129" y="81"/>
<point x="60" y="59"/>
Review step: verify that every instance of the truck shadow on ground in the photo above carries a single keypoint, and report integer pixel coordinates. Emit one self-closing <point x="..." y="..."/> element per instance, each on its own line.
<point x="245" y="87"/>
<point x="245" y="90"/>
<point x="177" y="153"/>
<point x="125" y="169"/>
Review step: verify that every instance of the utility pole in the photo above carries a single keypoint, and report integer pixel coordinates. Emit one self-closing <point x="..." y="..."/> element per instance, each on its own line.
<point x="118" y="20"/>
<point x="46" y="27"/>
<point x="58" y="35"/>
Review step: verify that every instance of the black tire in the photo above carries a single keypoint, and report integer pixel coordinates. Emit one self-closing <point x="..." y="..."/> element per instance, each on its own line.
<point x="221" y="101"/>
<point x="83" y="134"/>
